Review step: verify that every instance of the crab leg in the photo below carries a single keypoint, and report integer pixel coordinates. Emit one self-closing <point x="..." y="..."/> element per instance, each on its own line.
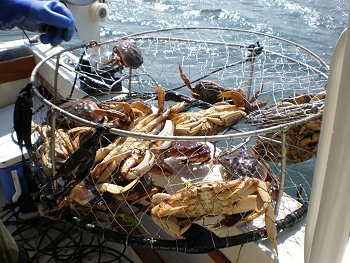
<point x="104" y="170"/>
<point x="173" y="226"/>
<point x="244" y="205"/>
<point x="245" y="188"/>
<point x="131" y="168"/>
<point x="143" y="167"/>
<point x="189" y="128"/>
<point x="116" y="189"/>
<point x="210" y="199"/>
<point x="264" y="206"/>
<point x="237" y="98"/>
<point x="185" y="79"/>
<point x="103" y="152"/>
<point x="132" y="149"/>
<point x="168" y="130"/>
<point x="161" y="98"/>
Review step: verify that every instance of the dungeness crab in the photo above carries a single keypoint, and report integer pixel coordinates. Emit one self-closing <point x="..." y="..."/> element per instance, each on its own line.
<point x="125" y="54"/>
<point x="212" y="92"/>
<point x="207" y="122"/>
<point x="240" y="163"/>
<point x="301" y="140"/>
<point x="175" y="213"/>
<point x="113" y="113"/>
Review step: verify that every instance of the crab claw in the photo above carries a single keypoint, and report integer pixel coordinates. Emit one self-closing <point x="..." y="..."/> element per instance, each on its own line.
<point x="143" y="167"/>
<point x="168" y="130"/>
<point x="270" y="219"/>
<point x="185" y="79"/>
<point x="236" y="96"/>
<point x="264" y="206"/>
<point x="238" y="99"/>
<point x="161" y="98"/>
<point x="116" y="189"/>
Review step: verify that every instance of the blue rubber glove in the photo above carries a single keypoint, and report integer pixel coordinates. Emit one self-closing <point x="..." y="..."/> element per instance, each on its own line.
<point x="51" y="18"/>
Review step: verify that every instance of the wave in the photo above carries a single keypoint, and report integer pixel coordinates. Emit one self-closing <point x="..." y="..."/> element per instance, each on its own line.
<point x="308" y="22"/>
<point x="314" y="15"/>
<point x="221" y="14"/>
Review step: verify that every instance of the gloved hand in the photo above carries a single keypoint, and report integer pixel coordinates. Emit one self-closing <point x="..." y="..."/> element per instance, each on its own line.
<point x="51" y="18"/>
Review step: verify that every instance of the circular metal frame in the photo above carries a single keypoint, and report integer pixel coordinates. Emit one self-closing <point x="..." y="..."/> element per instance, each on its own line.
<point x="189" y="138"/>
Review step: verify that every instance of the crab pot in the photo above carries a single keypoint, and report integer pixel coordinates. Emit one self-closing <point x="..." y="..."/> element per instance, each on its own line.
<point x="219" y="132"/>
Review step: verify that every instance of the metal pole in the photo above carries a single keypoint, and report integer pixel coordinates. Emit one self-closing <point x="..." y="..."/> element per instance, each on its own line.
<point x="53" y="122"/>
<point x="130" y="72"/>
<point x="283" y="171"/>
<point x="250" y="80"/>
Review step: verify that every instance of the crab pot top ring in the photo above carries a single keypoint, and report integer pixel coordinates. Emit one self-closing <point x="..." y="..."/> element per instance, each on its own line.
<point x="282" y="69"/>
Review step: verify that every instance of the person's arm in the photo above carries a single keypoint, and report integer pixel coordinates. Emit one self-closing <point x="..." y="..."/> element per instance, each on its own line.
<point x="51" y="18"/>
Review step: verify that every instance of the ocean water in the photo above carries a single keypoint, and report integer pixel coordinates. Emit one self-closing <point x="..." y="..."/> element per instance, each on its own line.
<point x="314" y="24"/>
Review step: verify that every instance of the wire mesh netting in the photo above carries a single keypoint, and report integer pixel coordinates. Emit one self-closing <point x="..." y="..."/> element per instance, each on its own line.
<point x="165" y="136"/>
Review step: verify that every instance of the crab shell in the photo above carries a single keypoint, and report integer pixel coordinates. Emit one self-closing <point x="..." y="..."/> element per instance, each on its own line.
<point x="302" y="140"/>
<point x="208" y="91"/>
<point x="66" y="143"/>
<point x="207" y="122"/>
<point x="240" y="163"/>
<point x="120" y="114"/>
<point x="128" y="54"/>
<point x="82" y="108"/>
<point x="191" y="152"/>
